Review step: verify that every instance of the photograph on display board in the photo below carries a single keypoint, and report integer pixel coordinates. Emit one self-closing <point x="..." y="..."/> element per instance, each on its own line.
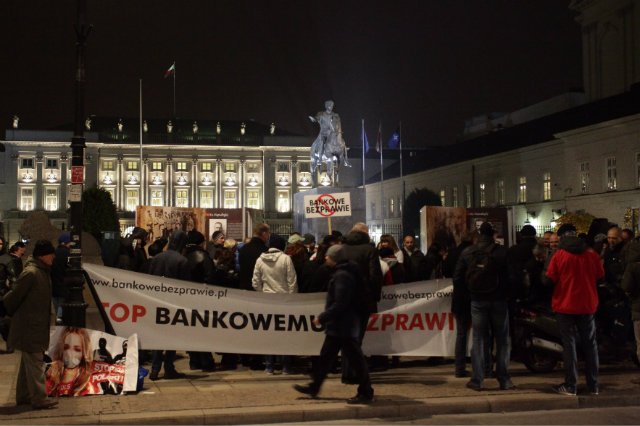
<point x="161" y="221"/>
<point x="217" y="224"/>
<point x="445" y="225"/>
<point x="498" y="219"/>
<point x="90" y="362"/>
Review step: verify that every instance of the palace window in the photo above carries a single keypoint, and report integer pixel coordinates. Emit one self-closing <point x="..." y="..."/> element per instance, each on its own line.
<point x="522" y="189"/>
<point x="206" y="167"/>
<point x="392" y="207"/>
<point x="467" y="196"/>
<point x="229" y="167"/>
<point x="27" y="163"/>
<point x="500" y="192"/>
<point x="546" y="186"/>
<point x="157" y="197"/>
<point x="132" y="199"/>
<point x="206" y="198"/>
<point x="454" y="196"/>
<point x="373" y="210"/>
<point x="52" y="163"/>
<point x="230" y="199"/>
<point x="51" y="198"/>
<point x="26" y="199"/>
<point x="156" y="166"/>
<point x="612" y="174"/>
<point x="253" y="199"/>
<point x="107" y="165"/>
<point x="182" y="198"/>
<point x="283" y="201"/>
<point x="483" y="195"/>
<point x="132" y="165"/>
<point x="443" y="197"/>
<point x="181" y="166"/>
<point x="584" y="177"/>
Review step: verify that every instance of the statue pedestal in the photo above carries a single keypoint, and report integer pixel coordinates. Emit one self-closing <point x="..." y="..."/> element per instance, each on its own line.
<point x="320" y="226"/>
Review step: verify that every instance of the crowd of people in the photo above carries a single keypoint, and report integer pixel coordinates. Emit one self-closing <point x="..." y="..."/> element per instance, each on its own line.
<point x="561" y="269"/>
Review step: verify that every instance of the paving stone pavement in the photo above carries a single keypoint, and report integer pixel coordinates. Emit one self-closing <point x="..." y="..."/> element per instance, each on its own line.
<point x="244" y="396"/>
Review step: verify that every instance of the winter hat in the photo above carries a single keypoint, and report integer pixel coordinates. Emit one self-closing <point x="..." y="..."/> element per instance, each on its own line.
<point x="64" y="238"/>
<point x="309" y="239"/>
<point x="336" y="252"/>
<point x="216" y="235"/>
<point x="528" y="231"/>
<point x="566" y="228"/>
<point x="276" y="241"/>
<point x="294" y="239"/>
<point x="195" y="238"/>
<point x="43" y="248"/>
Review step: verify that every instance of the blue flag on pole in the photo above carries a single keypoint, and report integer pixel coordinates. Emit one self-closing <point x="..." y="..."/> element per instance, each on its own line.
<point x="394" y="140"/>
<point x="365" y="141"/>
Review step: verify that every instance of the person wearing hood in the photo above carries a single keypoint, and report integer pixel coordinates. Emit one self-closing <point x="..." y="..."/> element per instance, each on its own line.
<point x="171" y="264"/>
<point x="574" y="271"/>
<point x="274" y="273"/>
<point x="342" y="327"/>
<point x="359" y="249"/>
<point x="29" y="304"/>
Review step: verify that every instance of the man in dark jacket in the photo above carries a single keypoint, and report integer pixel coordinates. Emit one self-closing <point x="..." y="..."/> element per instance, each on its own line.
<point x="358" y="249"/>
<point x="60" y="265"/>
<point x="250" y="252"/>
<point x="170" y="264"/>
<point x="29" y="302"/>
<point x="200" y="267"/>
<point x="518" y="257"/>
<point x="414" y="264"/>
<point x="489" y="311"/>
<point x="342" y="322"/>
<point x="574" y="270"/>
<point x="11" y="265"/>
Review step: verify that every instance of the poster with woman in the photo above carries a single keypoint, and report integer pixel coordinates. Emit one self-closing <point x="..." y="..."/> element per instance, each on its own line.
<point x="90" y="362"/>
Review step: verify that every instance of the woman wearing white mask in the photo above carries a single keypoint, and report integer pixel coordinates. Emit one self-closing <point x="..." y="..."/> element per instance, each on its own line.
<point x="71" y="366"/>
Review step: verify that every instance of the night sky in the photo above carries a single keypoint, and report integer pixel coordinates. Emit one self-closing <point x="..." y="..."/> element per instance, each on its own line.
<point x="430" y="64"/>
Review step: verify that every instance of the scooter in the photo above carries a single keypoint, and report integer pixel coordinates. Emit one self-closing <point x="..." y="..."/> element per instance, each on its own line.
<point x="536" y="337"/>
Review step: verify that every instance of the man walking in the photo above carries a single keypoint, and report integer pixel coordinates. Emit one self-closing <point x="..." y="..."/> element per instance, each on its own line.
<point x="574" y="271"/>
<point x="29" y="303"/>
<point x="483" y="269"/>
<point x="342" y="323"/>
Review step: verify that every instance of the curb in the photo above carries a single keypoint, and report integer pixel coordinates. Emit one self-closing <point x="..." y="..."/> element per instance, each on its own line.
<point x="341" y="411"/>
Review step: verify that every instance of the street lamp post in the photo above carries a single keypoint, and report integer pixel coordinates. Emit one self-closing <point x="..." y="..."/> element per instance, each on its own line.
<point x="74" y="308"/>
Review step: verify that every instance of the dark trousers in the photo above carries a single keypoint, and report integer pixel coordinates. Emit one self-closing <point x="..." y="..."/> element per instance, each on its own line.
<point x="348" y="372"/>
<point x="167" y="359"/>
<point x="350" y="350"/>
<point x="463" y="322"/>
<point x="583" y="327"/>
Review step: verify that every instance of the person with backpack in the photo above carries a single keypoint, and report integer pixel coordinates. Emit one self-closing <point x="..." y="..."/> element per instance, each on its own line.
<point x="483" y="269"/>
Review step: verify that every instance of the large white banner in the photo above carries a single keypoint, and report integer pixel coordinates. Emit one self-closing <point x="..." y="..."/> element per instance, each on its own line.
<point x="413" y="319"/>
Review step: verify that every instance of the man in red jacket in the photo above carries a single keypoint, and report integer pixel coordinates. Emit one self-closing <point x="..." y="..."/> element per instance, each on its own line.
<point x="574" y="270"/>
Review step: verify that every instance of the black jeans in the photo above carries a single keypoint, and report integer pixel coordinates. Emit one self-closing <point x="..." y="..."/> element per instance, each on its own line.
<point x="353" y="352"/>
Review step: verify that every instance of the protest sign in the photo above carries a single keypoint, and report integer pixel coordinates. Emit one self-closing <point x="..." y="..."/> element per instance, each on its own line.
<point x="327" y="205"/>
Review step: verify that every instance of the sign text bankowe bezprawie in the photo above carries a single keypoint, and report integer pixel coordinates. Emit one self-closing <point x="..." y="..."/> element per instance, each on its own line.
<point x="327" y="205"/>
<point x="120" y="312"/>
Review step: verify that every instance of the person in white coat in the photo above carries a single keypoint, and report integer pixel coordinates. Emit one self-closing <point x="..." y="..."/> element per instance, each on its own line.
<point x="275" y="273"/>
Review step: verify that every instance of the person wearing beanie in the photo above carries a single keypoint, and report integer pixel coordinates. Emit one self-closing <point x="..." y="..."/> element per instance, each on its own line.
<point x="171" y="264"/>
<point x="482" y="268"/>
<point x="342" y="327"/>
<point x="574" y="272"/>
<point x="29" y="304"/>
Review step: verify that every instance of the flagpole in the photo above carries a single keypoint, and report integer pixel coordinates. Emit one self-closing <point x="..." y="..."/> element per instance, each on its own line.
<point x="142" y="172"/>
<point x="363" y="148"/>
<point x="174" y="90"/>
<point x="403" y="187"/>
<point x="381" y="177"/>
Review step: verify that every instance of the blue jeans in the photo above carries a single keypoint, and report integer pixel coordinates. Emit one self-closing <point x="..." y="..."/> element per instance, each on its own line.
<point x="462" y="332"/>
<point x="494" y="316"/>
<point x="572" y="326"/>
